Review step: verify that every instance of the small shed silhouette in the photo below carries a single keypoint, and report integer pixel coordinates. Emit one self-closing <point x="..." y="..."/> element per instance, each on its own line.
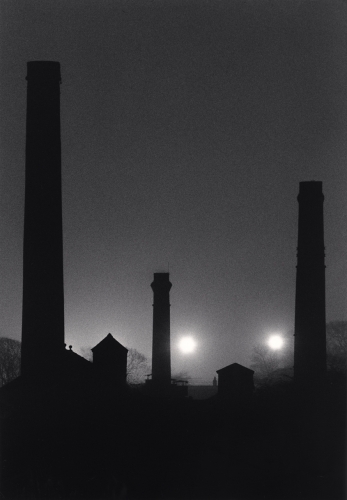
<point x="235" y="380"/>
<point x="110" y="360"/>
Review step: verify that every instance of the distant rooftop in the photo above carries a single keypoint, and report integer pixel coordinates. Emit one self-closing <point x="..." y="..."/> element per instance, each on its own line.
<point x="109" y="342"/>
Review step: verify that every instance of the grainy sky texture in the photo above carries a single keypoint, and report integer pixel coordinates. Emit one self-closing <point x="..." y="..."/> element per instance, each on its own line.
<point x="186" y="129"/>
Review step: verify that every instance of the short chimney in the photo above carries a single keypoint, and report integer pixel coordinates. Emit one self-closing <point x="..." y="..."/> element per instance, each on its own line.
<point x="161" y="357"/>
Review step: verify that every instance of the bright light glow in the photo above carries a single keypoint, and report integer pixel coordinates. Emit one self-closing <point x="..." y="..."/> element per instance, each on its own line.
<point x="187" y="345"/>
<point x="275" y="342"/>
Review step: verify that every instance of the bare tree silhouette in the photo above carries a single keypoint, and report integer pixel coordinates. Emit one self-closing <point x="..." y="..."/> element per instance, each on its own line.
<point x="336" y="333"/>
<point x="264" y="361"/>
<point x="10" y="355"/>
<point x="137" y="367"/>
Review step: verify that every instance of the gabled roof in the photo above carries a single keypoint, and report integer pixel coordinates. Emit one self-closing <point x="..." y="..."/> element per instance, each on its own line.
<point x="235" y="367"/>
<point x="109" y="342"/>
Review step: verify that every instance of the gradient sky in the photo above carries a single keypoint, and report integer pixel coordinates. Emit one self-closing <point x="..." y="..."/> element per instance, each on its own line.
<point x="186" y="129"/>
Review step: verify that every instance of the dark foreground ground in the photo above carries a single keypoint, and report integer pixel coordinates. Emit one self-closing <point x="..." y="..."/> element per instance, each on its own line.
<point x="73" y="443"/>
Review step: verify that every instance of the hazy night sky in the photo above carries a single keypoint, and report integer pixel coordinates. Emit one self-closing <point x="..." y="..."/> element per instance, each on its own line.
<point x="186" y="129"/>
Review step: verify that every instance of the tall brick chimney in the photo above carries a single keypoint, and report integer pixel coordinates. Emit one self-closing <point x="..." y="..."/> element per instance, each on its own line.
<point x="43" y="290"/>
<point x="310" y="338"/>
<point x="161" y="357"/>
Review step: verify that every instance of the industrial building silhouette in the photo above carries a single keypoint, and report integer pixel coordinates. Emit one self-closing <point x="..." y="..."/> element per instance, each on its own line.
<point x="43" y="288"/>
<point x="43" y="349"/>
<point x="78" y="420"/>
<point x="235" y="380"/>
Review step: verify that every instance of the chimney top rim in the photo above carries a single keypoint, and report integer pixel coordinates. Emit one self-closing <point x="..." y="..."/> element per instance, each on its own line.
<point x="311" y="189"/>
<point x="43" y="70"/>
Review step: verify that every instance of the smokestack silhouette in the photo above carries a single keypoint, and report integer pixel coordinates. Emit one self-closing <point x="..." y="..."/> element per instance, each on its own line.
<point x="310" y="339"/>
<point x="43" y="292"/>
<point x="161" y="357"/>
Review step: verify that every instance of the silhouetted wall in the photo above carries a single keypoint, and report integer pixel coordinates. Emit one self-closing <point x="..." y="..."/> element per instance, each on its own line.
<point x="43" y="293"/>
<point x="161" y="358"/>
<point x="110" y="360"/>
<point x="235" y="380"/>
<point x="310" y="338"/>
